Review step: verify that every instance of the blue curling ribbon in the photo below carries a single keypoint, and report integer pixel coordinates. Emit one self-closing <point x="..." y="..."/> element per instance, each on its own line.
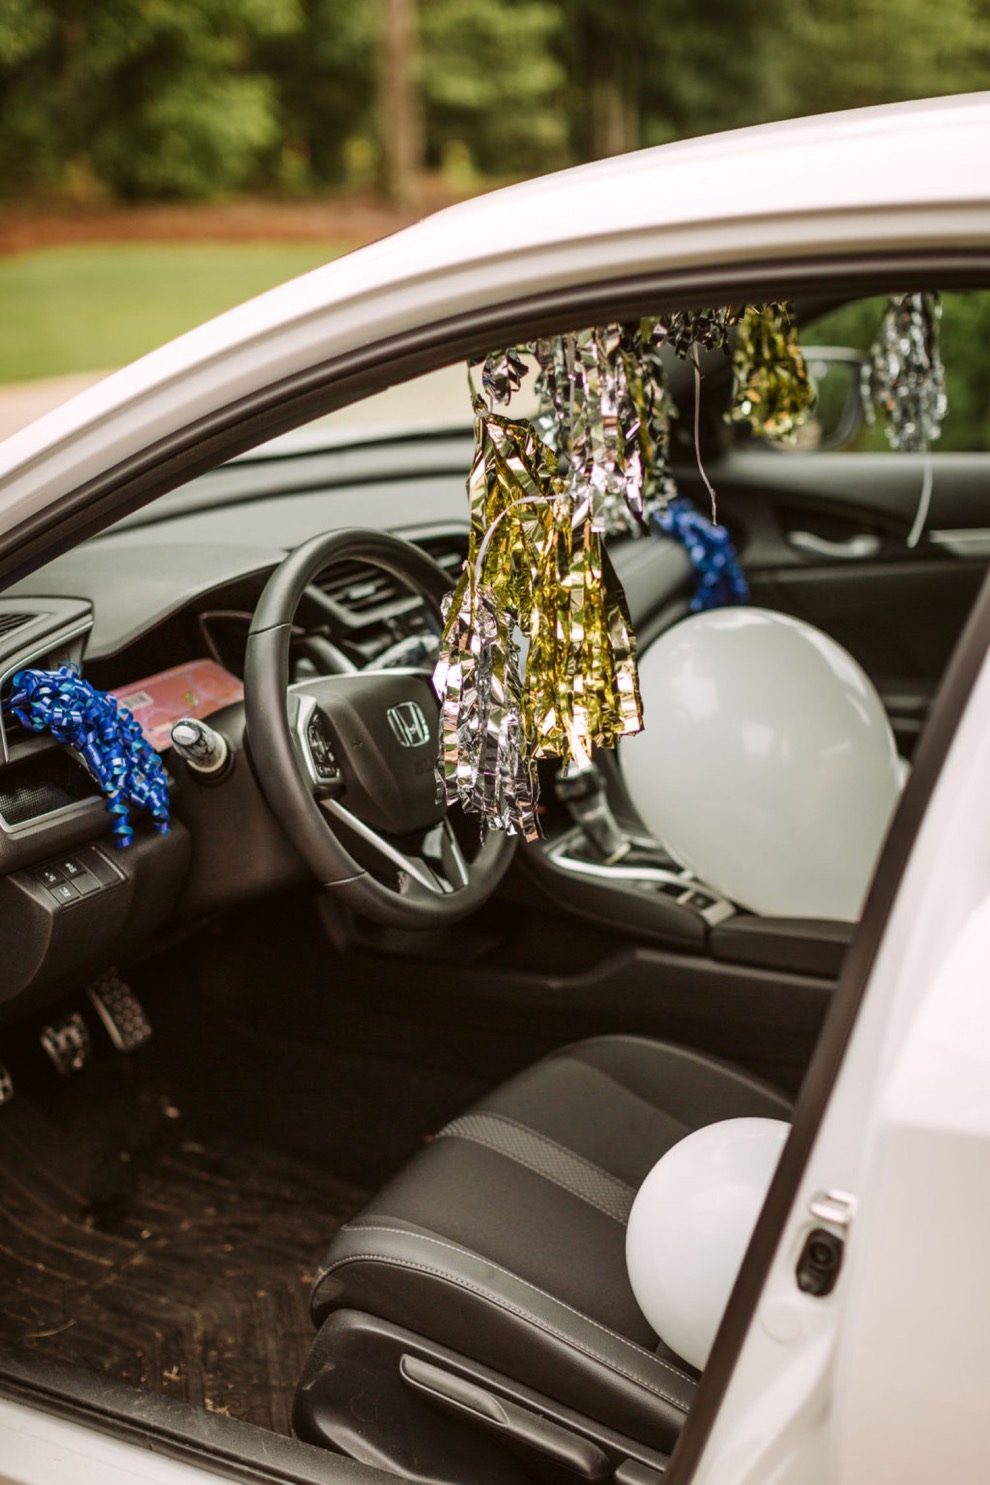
<point x="719" y="580"/>
<point x="106" y="737"/>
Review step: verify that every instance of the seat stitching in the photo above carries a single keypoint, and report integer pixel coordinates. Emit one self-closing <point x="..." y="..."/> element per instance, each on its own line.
<point x="599" y="1206"/>
<point x="531" y="1319"/>
<point x="453" y="1248"/>
<point x="598" y="1169"/>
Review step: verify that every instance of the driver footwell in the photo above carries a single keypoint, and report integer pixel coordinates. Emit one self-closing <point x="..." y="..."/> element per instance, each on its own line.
<point x="134" y="1246"/>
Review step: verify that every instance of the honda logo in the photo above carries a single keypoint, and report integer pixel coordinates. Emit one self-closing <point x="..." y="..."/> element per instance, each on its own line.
<point x="408" y="722"/>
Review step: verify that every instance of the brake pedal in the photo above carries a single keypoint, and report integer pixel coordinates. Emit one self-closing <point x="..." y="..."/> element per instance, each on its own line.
<point x="67" y="1043"/>
<point x="120" y="1011"/>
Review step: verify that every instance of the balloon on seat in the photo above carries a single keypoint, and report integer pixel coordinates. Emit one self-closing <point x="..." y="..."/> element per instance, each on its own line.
<point x="690" y="1225"/>
<point x="767" y="765"/>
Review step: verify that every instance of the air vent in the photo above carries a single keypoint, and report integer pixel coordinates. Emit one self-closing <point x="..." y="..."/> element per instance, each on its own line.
<point x="447" y="552"/>
<point x="359" y="589"/>
<point x="10" y="622"/>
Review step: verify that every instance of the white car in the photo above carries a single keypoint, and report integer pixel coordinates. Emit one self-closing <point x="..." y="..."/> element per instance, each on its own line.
<point x="333" y="973"/>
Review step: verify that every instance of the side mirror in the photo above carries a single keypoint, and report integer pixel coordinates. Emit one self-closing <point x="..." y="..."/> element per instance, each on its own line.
<point x="838" y="416"/>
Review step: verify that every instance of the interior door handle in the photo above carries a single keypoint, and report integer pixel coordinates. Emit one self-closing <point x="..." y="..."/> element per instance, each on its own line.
<point x="854" y="549"/>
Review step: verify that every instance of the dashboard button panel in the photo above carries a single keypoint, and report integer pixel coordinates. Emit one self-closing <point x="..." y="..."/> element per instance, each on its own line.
<point x="67" y="879"/>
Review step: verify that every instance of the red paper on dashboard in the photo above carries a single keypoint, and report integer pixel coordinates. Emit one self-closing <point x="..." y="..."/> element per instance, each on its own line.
<point x="192" y="690"/>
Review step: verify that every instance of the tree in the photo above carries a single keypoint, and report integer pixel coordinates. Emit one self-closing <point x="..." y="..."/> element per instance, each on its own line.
<point x="324" y="74"/>
<point x="851" y="53"/>
<point x="400" y="122"/>
<point x="156" y="97"/>
<point x="492" y="83"/>
<point x="644" y="71"/>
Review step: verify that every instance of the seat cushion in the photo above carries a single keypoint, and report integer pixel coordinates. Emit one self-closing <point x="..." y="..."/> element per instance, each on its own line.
<point x="504" y="1238"/>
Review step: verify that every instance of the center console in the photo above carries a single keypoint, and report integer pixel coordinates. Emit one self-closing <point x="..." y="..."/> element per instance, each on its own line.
<point x="594" y="864"/>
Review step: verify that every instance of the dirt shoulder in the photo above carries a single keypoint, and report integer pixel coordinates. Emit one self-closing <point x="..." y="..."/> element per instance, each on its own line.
<point x="352" y="219"/>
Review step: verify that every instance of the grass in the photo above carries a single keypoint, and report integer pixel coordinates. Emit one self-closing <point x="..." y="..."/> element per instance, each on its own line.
<point x="91" y="308"/>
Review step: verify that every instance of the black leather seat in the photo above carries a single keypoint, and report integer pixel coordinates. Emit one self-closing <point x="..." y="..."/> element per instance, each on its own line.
<point x="504" y="1238"/>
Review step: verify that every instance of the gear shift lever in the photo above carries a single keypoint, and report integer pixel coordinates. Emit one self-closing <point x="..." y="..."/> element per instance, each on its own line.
<point x="582" y="790"/>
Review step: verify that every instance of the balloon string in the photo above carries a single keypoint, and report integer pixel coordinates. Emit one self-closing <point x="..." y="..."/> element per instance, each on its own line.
<point x="924" y="501"/>
<point x="697" y="431"/>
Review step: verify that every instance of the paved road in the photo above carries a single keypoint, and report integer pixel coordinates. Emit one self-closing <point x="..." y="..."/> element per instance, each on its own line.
<point x="439" y="400"/>
<point x="22" y="402"/>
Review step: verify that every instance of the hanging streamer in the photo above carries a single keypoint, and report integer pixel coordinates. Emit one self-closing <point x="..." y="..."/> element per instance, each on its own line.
<point x="605" y="411"/>
<point x="502" y="374"/>
<point x="773" y="392"/>
<point x="687" y="330"/>
<point x="104" y="734"/>
<point x="904" y="376"/>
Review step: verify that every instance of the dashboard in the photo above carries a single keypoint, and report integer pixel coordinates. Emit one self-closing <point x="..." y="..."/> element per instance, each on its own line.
<point x="156" y="610"/>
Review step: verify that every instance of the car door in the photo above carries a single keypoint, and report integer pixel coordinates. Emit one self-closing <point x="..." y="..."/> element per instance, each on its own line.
<point x="823" y="532"/>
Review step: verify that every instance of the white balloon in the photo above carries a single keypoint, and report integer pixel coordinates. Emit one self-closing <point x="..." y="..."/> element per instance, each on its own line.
<point x="690" y="1224"/>
<point x="767" y="765"/>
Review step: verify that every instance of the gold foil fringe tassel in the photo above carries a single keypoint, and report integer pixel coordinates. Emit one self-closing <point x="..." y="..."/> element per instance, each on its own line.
<point x="537" y="653"/>
<point x="773" y="392"/>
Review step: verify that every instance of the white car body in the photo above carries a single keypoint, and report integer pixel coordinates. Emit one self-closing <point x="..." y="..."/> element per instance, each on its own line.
<point x="887" y="1378"/>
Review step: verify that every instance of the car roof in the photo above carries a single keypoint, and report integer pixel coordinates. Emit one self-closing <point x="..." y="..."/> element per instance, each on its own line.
<point x="904" y="177"/>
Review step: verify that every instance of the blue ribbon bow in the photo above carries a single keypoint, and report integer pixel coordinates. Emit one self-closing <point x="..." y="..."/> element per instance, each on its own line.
<point x="106" y="737"/>
<point x="719" y="580"/>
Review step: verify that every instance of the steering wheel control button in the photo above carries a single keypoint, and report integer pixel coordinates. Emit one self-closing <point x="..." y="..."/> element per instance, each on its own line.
<point x="64" y="893"/>
<point x="321" y="751"/>
<point x="67" y="1043"/>
<point x="204" y="749"/>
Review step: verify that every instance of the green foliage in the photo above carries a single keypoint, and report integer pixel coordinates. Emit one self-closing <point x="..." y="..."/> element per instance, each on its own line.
<point x="158" y="97"/>
<point x="195" y="137"/>
<point x="324" y="74"/>
<point x="32" y="147"/>
<point x="720" y="65"/>
<point x="491" y="82"/>
<point x="189" y="98"/>
<point x="25" y="27"/>
<point x="851" y="53"/>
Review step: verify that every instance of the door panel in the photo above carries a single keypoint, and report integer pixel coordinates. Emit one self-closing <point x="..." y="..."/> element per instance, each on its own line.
<point x="823" y="537"/>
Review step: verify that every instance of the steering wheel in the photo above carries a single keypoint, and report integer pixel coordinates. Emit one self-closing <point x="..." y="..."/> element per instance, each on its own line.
<point x="347" y="762"/>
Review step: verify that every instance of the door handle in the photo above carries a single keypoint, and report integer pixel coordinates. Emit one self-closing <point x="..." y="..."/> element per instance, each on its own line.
<point x="857" y="548"/>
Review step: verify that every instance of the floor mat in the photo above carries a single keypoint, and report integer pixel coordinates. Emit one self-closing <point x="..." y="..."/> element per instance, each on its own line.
<point x="178" y="1265"/>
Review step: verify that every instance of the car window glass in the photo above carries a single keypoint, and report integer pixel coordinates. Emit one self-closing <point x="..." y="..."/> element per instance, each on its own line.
<point x="965" y="333"/>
